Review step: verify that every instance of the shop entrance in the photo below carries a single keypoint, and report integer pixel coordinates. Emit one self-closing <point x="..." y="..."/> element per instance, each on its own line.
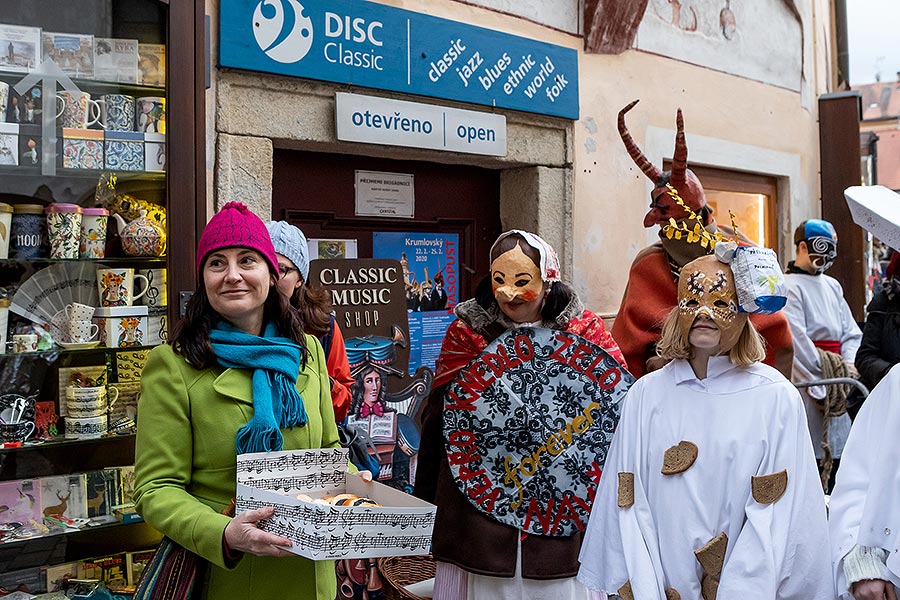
<point x="315" y="192"/>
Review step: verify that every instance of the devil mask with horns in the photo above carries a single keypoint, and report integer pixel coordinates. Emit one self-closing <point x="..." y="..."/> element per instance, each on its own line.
<point x="662" y="206"/>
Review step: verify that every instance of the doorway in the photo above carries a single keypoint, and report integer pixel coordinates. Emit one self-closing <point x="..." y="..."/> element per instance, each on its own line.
<point x="315" y="192"/>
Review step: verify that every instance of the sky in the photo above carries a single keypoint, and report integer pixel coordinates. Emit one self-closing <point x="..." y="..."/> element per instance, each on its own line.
<point x="873" y="28"/>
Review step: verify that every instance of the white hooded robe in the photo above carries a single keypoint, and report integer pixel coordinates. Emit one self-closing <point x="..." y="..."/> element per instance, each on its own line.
<point x="745" y="421"/>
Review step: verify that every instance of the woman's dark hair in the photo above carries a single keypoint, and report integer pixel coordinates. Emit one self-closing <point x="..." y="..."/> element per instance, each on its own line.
<point x="314" y="306"/>
<point x="558" y="297"/>
<point x="191" y="335"/>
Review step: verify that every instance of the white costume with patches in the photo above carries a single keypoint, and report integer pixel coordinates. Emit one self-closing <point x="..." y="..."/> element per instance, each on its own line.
<point x="816" y="310"/>
<point x="865" y="505"/>
<point x="745" y="421"/>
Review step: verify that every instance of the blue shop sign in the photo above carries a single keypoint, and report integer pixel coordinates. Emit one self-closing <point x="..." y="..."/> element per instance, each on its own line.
<point x="377" y="46"/>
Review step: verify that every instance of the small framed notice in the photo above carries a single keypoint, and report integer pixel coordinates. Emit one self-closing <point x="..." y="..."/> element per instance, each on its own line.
<point x="381" y="194"/>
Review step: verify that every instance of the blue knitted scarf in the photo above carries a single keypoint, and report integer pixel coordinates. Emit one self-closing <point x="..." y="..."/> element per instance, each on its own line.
<point x="275" y="361"/>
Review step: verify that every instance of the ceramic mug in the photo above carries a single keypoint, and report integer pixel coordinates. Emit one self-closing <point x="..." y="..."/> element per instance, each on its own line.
<point x="93" y="233"/>
<point x="151" y="114"/>
<point x="83" y="402"/>
<point x="84" y="428"/>
<point x="79" y="312"/>
<point x="64" y="229"/>
<point x="156" y="287"/>
<point x="82" y="331"/>
<point x="16" y="432"/>
<point x="77" y="110"/>
<point x="25" y="342"/>
<point x="116" y="286"/>
<point x="117" y="112"/>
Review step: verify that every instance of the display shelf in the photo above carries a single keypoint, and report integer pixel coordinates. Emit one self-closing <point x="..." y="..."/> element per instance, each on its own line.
<point x="58" y="457"/>
<point x="78" y="174"/>
<point x="76" y="544"/>
<point x="112" y="260"/>
<point x="61" y="351"/>
<point x="113" y="87"/>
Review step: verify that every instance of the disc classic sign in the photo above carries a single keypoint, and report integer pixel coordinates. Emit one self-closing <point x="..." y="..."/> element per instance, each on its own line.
<point x="527" y="426"/>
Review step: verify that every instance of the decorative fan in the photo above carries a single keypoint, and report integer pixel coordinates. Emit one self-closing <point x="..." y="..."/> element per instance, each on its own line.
<point x="49" y="290"/>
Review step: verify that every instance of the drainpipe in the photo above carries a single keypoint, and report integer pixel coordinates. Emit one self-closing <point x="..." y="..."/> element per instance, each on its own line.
<point x="841" y="44"/>
<point x="873" y="152"/>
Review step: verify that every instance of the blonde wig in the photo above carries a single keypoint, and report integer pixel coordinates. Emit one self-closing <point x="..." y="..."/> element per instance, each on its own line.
<point x="750" y="347"/>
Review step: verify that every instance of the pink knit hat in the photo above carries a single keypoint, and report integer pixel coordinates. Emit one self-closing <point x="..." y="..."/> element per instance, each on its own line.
<point x="235" y="226"/>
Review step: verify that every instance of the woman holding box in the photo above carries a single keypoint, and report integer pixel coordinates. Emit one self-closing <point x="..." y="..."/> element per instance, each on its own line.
<point x="240" y="376"/>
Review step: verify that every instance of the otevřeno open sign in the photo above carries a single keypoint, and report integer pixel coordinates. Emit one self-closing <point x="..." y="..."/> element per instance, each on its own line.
<point x="375" y="120"/>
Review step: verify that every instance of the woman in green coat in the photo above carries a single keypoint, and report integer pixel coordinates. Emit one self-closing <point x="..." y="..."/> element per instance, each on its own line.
<point x="237" y="378"/>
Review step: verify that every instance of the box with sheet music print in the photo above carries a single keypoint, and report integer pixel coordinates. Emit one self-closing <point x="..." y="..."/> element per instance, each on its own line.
<point x="329" y="513"/>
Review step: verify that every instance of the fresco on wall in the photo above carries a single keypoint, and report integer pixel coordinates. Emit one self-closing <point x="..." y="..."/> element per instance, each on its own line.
<point x="758" y="39"/>
<point x="561" y="14"/>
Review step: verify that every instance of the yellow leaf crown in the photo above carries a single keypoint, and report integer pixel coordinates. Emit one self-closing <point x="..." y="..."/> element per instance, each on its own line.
<point x="698" y="233"/>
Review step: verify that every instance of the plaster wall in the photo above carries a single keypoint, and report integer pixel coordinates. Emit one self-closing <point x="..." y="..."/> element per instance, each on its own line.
<point x="745" y="125"/>
<point x="559" y="14"/>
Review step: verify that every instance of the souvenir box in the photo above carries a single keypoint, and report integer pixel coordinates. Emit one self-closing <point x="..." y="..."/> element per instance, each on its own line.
<point x="155" y="152"/>
<point x="124" y="151"/>
<point x="30" y="151"/>
<point x="82" y="148"/>
<point x="57" y="575"/>
<point x="111" y="570"/>
<point x="400" y="526"/>
<point x="9" y="144"/>
<point x="122" y="326"/>
<point x="25" y="581"/>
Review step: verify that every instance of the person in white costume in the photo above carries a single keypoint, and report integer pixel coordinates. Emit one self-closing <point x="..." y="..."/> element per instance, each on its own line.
<point x="824" y="330"/>
<point x="710" y="487"/>
<point x="865" y="511"/>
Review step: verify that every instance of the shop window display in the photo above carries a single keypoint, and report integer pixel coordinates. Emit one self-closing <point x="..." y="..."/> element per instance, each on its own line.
<point x="83" y="263"/>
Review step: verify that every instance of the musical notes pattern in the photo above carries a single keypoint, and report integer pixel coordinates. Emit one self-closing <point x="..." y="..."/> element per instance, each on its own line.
<point x="319" y="531"/>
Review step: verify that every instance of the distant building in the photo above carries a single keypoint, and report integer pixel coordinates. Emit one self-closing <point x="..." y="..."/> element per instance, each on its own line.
<point x="880" y="133"/>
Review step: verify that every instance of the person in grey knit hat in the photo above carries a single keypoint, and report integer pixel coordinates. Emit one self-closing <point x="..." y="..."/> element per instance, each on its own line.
<point x="314" y="306"/>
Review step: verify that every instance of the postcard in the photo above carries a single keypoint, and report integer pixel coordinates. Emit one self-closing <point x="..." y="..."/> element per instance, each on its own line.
<point x="152" y="64"/>
<point x="64" y="496"/>
<point x="115" y="60"/>
<point x="20" y="48"/>
<point x="72" y="52"/>
<point x="332" y="248"/>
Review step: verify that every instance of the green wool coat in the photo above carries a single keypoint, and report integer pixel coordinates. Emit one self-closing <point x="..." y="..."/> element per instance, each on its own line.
<point x="185" y="467"/>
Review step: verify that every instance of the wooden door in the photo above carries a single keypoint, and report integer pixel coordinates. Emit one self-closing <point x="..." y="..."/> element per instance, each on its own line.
<point x="315" y="192"/>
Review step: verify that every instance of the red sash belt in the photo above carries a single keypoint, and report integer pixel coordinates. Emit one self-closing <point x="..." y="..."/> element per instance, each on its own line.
<point x="828" y="345"/>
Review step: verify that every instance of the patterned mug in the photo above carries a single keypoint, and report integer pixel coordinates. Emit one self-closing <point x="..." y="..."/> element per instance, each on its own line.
<point x="151" y="114"/>
<point x="16" y="432"/>
<point x="77" y="110"/>
<point x="64" y="229"/>
<point x="156" y="291"/>
<point x="116" y="286"/>
<point x="117" y="112"/>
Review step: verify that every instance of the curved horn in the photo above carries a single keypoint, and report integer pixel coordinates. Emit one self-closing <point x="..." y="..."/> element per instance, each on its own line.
<point x="679" y="160"/>
<point x="636" y="155"/>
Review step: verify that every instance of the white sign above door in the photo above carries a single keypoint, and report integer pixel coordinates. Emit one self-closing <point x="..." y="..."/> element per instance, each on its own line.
<point x="375" y="120"/>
